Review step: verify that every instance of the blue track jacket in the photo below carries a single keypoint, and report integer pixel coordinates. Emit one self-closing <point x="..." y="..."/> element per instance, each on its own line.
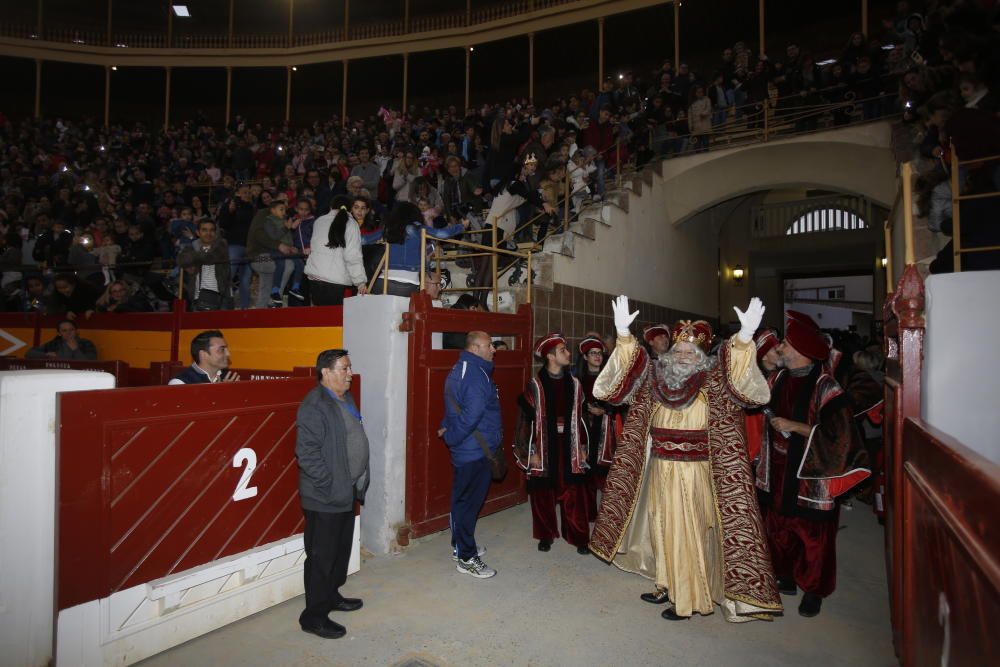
<point x="470" y="385"/>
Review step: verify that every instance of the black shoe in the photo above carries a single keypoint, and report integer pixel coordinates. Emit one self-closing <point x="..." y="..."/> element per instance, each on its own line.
<point x="786" y="586"/>
<point x="326" y="630"/>
<point x="348" y="604"/>
<point x="583" y="550"/>
<point x="659" y="597"/>
<point x="810" y="605"/>
<point x="544" y="545"/>
<point x="671" y="615"/>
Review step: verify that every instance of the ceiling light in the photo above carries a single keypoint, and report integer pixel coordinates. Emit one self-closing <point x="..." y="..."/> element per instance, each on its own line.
<point x="182" y="11"/>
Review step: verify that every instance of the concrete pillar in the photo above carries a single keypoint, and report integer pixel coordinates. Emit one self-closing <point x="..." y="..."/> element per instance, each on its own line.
<point x="288" y="95"/>
<point x="760" y="22"/>
<point x="677" y="35"/>
<point x="166" y="103"/>
<point x="406" y="79"/>
<point x="38" y="85"/>
<point x="468" y="66"/>
<point x="600" y="53"/>
<point x="531" y="66"/>
<point x="343" y="103"/>
<point x="229" y="93"/>
<point x="107" y="95"/>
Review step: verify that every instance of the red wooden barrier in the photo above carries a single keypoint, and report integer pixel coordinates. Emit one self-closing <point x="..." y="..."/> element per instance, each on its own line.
<point x="951" y="554"/>
<point x="161" y="372"/>
<point x="119" y="369"/>
<point x="904" y="337"/>
<point x="156" y="480"/>
<point x="428" y="466"/>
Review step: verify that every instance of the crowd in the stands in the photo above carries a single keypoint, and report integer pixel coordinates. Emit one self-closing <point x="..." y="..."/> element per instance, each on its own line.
<point x="949" y="98"/>
<point x="127" y="218"/>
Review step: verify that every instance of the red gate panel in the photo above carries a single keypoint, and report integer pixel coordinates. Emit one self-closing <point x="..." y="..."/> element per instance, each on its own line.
<point x="428" y="465"/>
<point x="147" y="480"/>
<point x="951" y="551"/>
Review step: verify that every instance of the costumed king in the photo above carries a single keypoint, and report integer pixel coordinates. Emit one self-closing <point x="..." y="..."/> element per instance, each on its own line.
<point x="685" y="515"/>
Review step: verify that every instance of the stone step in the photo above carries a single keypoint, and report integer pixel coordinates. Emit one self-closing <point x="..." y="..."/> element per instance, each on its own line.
<point x="585" y="228"/>
<point x="560" y="244"/>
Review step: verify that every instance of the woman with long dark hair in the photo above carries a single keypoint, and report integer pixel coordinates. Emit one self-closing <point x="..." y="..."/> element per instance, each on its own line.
<point x="335" y="260"/>
<point x="402" y="236"/>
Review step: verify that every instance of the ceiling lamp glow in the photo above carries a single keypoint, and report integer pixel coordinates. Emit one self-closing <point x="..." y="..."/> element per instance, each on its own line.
<point x="182" y="11"/>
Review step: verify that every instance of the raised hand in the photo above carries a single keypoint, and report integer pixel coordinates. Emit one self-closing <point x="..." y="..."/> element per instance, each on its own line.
<point x="619" y="306"/>
<point x="750" y="319"/>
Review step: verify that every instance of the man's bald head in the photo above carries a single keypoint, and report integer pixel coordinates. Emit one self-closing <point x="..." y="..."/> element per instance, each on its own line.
<point x="480" y="344"/>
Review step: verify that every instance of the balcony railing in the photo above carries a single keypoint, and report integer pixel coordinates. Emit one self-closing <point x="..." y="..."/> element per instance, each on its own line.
<point x="363" y="31"/>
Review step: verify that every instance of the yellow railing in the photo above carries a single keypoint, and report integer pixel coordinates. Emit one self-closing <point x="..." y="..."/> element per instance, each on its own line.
<point x="957" y="199"/>
<point x="382" y="271"/>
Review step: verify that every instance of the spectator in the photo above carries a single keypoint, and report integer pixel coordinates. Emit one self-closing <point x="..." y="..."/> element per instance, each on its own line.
<point x="402" y="233"/>
<point x="700" y="120"/>
<point x="107" y="256"/>
<point x="367" y="171"/>
<point x="335" y="262"/>
<point x="72" y="297"/>
<point x="52" y="247"/>
<point x="269" y="244"/>
<point x="207" y="260"/>
<point x="473" y="430"/>
<point x="66" y="345"/>
<point x="332" y="451"/>
<point x="235" y="217"/>
<point x="119" y="297"/>
<point x="211" y="359"/>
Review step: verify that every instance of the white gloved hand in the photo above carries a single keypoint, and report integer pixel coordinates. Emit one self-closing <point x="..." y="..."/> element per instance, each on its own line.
<point x="750" y="320"/>
<point x="619" y="306"/>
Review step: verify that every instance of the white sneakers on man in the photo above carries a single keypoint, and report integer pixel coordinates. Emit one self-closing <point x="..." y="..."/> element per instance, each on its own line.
<point x="476" y="567"/>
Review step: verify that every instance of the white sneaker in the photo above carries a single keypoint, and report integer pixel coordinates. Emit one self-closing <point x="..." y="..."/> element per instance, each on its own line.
<point x="476" y="567"/>
<point x="480" y="550"/>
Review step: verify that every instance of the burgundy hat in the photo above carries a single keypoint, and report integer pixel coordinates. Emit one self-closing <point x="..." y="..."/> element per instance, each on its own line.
<point x="802" y="333"/>
<point x="698" y="332"/>
<point x="654" y="330"/>
<point x="548" y="343"/>
<point x="591" y="343"/>
<point x="765" y="340"/>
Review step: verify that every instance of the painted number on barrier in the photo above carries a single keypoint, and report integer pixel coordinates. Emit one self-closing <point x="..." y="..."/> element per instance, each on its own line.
<point x="248" y="456"/>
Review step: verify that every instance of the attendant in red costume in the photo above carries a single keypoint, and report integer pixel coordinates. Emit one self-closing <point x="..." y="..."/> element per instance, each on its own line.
<point x="811" y="455"/>
<point x="766" y="342"/>
<point x="551" y="445"/>
<point x="600" y="418"/>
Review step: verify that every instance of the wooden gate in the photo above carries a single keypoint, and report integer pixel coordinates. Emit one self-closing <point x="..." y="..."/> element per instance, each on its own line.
<point x="153" y="481"/>
<point x="428" y="466"/>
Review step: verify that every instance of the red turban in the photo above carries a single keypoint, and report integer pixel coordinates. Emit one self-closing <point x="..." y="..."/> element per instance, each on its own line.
<point x="802" y="333"/>
<point x="548" y="343"/>
<point x="698" y="332"/>
<point x="654" y="330"/>
<point x="765" y="340"/>
<point x="591" y="343"/>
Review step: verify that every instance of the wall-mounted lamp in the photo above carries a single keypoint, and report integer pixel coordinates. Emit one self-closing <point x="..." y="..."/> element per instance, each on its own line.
<point x="738" y="274"/>
<point x="884" y="261"/>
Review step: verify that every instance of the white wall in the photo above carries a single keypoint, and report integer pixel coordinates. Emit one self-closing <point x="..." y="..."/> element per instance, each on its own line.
<point x="380" y="354"/>
<point x="28" y="507"/>
<point x="649" y="254"/>
<point x="961" y="376"/>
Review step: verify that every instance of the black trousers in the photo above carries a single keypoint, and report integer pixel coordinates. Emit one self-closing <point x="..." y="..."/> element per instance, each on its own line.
<point x="328" y="537"/>
<point x="327" y="294"/>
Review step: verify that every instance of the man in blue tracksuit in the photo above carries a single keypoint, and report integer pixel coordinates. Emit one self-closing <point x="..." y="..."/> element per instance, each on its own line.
<point x="471" y="419"/>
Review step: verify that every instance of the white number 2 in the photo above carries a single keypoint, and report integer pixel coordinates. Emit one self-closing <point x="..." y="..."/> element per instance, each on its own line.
<point x="248" y="456"/>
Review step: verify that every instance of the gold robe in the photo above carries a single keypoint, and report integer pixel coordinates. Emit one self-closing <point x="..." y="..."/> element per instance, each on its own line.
<point x="693" y="526"/>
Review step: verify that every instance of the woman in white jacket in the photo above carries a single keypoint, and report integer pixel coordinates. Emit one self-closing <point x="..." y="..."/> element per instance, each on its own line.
<point x="335" y="261"/>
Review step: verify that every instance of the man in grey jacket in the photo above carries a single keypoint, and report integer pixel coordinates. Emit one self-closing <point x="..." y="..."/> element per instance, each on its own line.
<point x="332" y="451"/>
<point x="207" y="262"/>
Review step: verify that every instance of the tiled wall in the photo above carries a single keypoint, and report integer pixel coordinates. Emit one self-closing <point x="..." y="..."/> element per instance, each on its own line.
<point x="573" y="311"/>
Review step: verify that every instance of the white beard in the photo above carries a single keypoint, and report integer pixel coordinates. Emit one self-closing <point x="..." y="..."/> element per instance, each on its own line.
<point x="674" y="374"/>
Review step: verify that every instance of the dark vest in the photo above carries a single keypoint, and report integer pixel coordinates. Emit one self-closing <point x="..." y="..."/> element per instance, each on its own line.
<point x="190" y="376"/>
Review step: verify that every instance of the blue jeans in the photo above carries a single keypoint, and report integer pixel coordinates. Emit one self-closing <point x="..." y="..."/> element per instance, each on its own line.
<point x="237" y="253"/>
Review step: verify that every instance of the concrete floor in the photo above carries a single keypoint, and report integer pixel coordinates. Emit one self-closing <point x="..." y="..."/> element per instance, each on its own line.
<point x="555" y="608"/>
